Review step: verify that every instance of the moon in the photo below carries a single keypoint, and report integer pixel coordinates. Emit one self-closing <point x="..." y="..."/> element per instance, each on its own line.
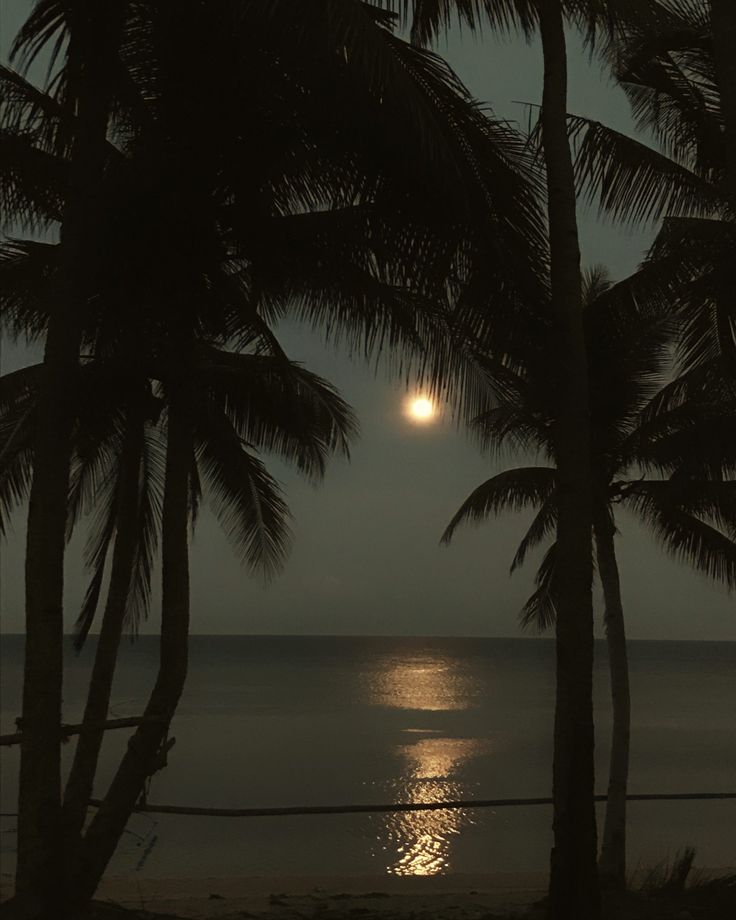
<point x="421" y="409"/>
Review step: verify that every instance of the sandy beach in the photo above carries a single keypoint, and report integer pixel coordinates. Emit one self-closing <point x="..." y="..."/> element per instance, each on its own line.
<point x="457" y="896"/>
<point x="464" y="897"/>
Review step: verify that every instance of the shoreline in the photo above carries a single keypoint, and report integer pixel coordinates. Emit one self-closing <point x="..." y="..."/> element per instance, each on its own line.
<point x="462" y="896"/>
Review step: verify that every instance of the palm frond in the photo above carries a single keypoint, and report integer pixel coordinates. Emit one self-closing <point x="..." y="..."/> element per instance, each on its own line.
<point x="541" y="527"/>
<point x="26" y="286"/>
<point x="702" y="251"/>
<point x="633" y="182"/>
<point x="146" y="450"/>
<point x="515" y="427"/>
<point x="432" y="17"/>
<point x="43" y="28"/>
<point x="510" y="490"/>
<point x="688" y="391"/>
<point x="150" y="508"/>
<point x="540" y="611"/>
<point x="280" y="407"/>
<point x="685" y="535"/>
<point x="17" y="435"/>
<point x="604" y="21"/>
<point x="694" y="441"/>
<point x="245" y="498"/>
<point x="28" y="111"/>
<point x="33" y="184"/>
<point x="19" y="387"/>
<point x="17" y="420"/>
<point x="630" y="332"/>
<point x="107" y="438"/>
<point x="407" y="90"/>
<point x="97" y="440"/>
<point x="91" y="601"/>
<point x="102" y="523"/>
<point x="668" y="73"/>
<point x="596" y="282"/>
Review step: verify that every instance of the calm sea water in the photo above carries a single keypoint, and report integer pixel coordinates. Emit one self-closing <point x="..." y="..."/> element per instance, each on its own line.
<point x="269" y="721"/>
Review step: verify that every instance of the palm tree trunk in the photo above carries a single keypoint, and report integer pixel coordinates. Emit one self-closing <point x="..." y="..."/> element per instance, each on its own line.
<point x="140" y="759"/>
<point x="612" y="863"/>
<point x="84" y="766"/>
<point x="38" y="873"/>
<point x="574" y="890"/>
<point x="93" y="31"/>
<point x="723" y="27"/>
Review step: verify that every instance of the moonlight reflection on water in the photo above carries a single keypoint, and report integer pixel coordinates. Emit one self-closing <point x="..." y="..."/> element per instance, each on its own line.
<point x="422" y="839"/>
<point x="425" y="683"/>
<point x="431" y="767"/>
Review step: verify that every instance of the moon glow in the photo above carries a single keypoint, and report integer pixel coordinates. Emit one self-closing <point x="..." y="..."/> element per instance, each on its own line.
<point x="421" y="409"/>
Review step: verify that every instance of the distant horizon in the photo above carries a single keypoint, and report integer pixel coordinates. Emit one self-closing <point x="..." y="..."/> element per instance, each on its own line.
<point x="223" y="635"/>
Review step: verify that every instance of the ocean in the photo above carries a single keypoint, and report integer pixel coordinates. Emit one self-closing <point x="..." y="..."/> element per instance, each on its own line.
<point x="282" y="721"/>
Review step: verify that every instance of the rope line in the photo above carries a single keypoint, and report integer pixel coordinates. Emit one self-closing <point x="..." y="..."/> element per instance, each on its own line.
<point x="67" y="730"/>
<point x="395" y="806"/>
<point x="401" y="806"/>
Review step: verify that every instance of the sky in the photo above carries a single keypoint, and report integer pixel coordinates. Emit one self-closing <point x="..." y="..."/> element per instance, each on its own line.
<point x="366" y="558"/>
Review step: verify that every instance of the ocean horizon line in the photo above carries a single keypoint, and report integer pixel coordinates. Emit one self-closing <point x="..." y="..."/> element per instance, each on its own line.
<point x="506" y="638"/>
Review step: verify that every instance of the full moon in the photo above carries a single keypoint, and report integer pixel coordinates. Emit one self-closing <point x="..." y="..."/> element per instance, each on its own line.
<point x="421" y="409"/>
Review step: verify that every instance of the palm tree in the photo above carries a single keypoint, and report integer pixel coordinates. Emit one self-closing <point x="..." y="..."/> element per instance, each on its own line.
<point x="241" y="402"/>
<point x="234" y="400"/>
<point x="331" y="233"/>
<point x="271" y="402"/>
<point x="658" y="464"/>
<point x="680" y="90"/>
<point x="92" y="34"/>
<point x="574" y="889"/>
<point x="327" y="90"/>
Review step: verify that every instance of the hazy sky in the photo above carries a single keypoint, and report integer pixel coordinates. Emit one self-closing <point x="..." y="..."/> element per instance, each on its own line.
<point x="366" y="557"/>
